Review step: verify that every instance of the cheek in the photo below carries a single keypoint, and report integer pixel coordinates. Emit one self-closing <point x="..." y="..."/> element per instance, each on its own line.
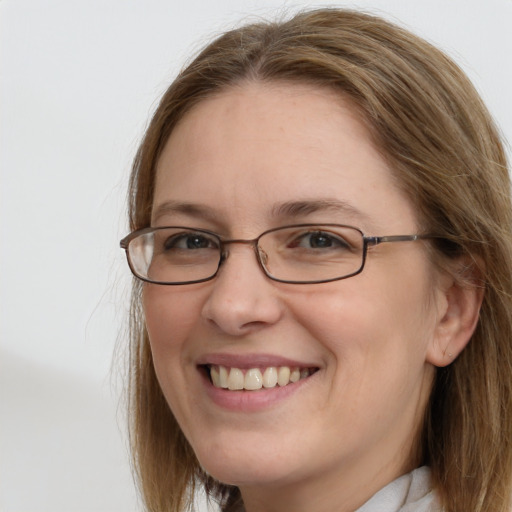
<point x="384" y="325"/>
<point x="374" y="343"/>
<point x="171" y="316"/>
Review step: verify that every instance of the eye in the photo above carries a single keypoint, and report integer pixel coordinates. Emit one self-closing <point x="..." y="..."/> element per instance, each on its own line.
<point x="320" y="240"/>
<point x="190" y="241"/>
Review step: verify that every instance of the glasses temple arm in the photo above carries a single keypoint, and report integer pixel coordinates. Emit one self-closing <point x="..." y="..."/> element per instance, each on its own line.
<point x="376" y="240"/>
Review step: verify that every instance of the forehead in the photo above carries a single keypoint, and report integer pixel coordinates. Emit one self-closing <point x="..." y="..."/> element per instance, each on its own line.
<point x="258" y="145"/>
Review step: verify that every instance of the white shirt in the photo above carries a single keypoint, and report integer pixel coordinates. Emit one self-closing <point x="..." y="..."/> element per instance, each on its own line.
<point x="409" y="493"/>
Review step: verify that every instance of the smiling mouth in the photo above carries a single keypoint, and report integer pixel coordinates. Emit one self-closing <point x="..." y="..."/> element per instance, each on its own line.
<point x="254" y="379"/>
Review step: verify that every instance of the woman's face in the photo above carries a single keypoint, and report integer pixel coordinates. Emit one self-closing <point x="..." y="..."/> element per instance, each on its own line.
<point x="257" y="157"/>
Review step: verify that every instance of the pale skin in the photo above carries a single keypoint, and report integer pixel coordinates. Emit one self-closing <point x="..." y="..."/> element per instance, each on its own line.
<point x="375" y="338"/>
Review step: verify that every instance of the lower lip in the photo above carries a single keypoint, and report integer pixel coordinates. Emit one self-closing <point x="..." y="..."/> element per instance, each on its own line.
<point x="252" y="401"/>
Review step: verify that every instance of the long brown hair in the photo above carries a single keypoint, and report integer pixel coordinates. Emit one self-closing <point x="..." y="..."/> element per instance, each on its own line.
<point x="431" y="126"/>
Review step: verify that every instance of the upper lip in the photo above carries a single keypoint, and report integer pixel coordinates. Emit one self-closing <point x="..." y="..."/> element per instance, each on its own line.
<point x="247" y="361"/>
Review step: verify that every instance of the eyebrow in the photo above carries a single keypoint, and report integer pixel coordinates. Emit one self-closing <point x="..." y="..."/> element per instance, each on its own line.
<point x="184" y="208"/>
<point x="286" y="210"/>
<point x="307" y="207"/>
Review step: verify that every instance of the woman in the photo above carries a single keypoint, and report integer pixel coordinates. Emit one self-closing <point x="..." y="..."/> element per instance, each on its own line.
<point x="321" y="228"/>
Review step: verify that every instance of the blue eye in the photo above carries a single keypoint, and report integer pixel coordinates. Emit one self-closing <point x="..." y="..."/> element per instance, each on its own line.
<point x="320" y="240"/>
<point x="189" y="241"/>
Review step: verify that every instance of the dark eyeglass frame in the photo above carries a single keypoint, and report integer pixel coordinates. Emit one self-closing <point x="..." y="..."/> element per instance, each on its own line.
<point x="368" y="241"/>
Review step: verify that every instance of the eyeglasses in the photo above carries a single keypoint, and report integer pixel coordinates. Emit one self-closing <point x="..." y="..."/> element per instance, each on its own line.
<point x="298" y="254"/>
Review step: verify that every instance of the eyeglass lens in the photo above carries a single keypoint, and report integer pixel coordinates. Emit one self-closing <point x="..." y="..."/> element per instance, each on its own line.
<point x="302" y="253"/>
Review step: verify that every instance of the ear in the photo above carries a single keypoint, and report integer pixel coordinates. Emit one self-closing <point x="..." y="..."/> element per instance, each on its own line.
<point x="458" y="308"/>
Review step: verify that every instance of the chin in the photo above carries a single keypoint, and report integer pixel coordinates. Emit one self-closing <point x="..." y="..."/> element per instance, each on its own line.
<point x="245" y="464"/>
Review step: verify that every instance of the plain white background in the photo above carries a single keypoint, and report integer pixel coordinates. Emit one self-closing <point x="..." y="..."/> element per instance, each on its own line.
<point x="78" y="81"/>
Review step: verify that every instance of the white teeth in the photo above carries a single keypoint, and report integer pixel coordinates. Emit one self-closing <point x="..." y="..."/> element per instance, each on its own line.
<point x="270" y="377"/>
<point x="253" y="379"/>
<point x="234" y="379"/>
<point x="223" y="377"/>
<point x="295" y="375"/>
<point x="214" y="374"/>
<point x="283" y="375"/>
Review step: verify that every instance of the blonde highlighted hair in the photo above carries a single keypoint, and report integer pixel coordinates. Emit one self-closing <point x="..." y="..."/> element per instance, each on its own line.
<point x="431" y="126"/>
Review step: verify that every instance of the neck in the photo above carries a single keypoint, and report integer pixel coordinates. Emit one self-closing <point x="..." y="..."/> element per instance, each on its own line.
<point x="327" y="492"/>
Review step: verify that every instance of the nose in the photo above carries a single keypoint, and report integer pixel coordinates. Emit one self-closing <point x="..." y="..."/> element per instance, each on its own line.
<point x="242" y="298"/>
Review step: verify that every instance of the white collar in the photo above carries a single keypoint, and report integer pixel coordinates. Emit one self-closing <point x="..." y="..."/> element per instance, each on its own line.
<point x="409" y="493"/>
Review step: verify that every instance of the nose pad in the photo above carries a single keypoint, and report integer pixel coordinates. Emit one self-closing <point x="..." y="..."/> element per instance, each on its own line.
<point x="263" y="256"/>
<point x="223" y="257"/>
